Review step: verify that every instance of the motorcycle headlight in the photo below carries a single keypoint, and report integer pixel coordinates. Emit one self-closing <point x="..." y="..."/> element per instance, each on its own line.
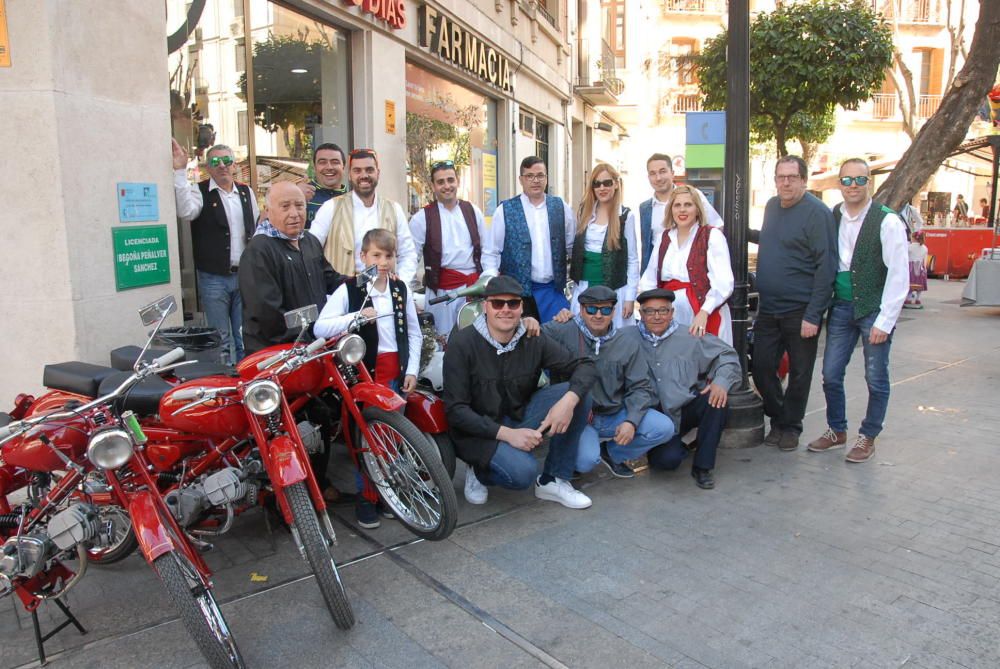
<point x="110" y="449"/>
<point x="350" y="349"/>
<point x="262" y="398"/>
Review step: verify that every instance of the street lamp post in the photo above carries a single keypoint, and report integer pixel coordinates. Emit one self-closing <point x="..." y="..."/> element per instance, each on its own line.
<point x="745" y="426"/>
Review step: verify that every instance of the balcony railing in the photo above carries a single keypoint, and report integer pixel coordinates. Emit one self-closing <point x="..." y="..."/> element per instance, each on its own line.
<point x="687" y="103"/>
<point x="910" y="11"/>
<point x="598" y="82"/>
<point x="927" y="105"/>
<point x="884" y="105"/>
<point x="695" y="6"/>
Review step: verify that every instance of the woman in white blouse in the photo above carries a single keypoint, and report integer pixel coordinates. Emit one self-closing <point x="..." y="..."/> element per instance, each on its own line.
<point x="605" y="251"/>
<point x="694" y="264"/>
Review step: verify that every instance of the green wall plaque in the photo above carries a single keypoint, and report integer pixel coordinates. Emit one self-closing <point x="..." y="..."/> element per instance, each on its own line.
<point x="141" y="256"/>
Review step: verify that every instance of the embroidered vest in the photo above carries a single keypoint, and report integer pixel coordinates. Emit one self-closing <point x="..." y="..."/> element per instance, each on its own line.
<point x="515" y="257"/>
<point x="339" y="245"/>
<point x="697" y="263"/>
<point x="432" y="241"/>
<point x="645" y="233"/>
<point x="210" y="229"/>
<point x="320" y="197"/>
<point x="397" y="290"/>
<point x="613" y="263"/>
<point x="868" y="271"/>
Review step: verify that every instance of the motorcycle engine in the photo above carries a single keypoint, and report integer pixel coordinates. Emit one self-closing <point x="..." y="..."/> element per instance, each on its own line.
<point x="26" y="555"/>
<point x="225" y="486"/>
<point x="312" y="439"/>
<point x="78" y="523"/>
<point x="23" y="556"/>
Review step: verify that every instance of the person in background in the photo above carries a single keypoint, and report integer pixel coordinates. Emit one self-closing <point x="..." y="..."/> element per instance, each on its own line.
<point x="917" y="252"/>
<point x="984" y="208"/>
<point x="961" y="210"/>
<point x="328" y="183"/>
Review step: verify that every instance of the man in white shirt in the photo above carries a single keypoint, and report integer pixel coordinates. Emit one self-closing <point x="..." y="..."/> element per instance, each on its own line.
<point x="872" y="282"/>
<point x="341" y="223"/>
<point x="660" y="172"/>
<point x="448" y="234"/>
<point x="531" y="240"/>
<point x="223" y="215"/>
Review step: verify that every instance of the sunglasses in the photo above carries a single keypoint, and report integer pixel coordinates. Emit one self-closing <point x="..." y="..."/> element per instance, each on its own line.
<point x="660" y="311"/>
<point x="442" y="165"/>
<point x="215" y="161"/>
<point x="593" y="309"/>
<point x="513" y="303"/>
<point x="603" y="183"/>
<point x="861" y="181"/>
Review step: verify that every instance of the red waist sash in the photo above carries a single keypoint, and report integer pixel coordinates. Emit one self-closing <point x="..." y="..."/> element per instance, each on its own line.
<point x="450" y="279"/>
<point x="386" y="368"/>
<point x="714" y="318"/>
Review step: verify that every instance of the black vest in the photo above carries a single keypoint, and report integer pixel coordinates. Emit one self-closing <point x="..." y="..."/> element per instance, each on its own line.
<point x="397" y="290"/>
<point x="615" y="263"/>
<point x="433" y="245"/>
<point x="210" y="230"/>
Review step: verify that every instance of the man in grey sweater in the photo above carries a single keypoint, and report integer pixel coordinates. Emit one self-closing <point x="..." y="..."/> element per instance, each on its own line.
<point x="693" y="377"/>
<point x="796" y="265"/>
<point x="624" y="424"/>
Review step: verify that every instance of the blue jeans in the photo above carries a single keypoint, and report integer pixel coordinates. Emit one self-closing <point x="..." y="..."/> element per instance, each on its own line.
<point x="220" y="297"/>
<point x="654" y="429"/>
<point x="842" y="333"/>
<point x="515" y="469"/>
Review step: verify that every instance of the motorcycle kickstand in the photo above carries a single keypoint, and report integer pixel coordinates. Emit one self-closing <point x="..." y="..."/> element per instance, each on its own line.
<point x="40" y="639"/>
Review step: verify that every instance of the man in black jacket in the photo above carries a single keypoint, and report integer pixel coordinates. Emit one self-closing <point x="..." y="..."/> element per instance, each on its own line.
<point x="497" y="413"/>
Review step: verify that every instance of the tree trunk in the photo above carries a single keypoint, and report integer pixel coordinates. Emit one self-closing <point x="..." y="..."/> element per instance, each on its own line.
<point x="946" y="129"/>
<point x="780" y="139"/>
<point x="905" y="93"/>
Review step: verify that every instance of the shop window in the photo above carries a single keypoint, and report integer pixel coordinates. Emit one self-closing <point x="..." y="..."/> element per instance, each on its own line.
<point x="613" y="28"/>
<point x="542" y="142"/>
<point x="447" y="121"/>
<point x="526" y="122"/>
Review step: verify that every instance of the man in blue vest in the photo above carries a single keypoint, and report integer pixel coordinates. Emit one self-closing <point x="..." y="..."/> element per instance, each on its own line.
<point x="871" y="285"/>
<point x="223" y="217"/>
<point x="660" y="172"/>
<point x="532" y="239"/>
<point x="328" y="183"/>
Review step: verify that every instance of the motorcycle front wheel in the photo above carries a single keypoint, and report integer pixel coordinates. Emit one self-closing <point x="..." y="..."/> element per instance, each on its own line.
<point x="317" y="551"/>
<point x="199" y="612"/>
<point x="409" y="475"/>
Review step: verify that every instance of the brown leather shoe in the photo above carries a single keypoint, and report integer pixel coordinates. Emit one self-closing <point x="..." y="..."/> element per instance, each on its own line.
<point x="862" y="451"/>
<point x="773" y="436"/>
<point x="789" y="441"/>
<point x="829" y="441"/>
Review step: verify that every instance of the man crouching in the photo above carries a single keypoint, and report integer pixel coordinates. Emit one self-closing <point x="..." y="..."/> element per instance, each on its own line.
<point x="496" y="411"/>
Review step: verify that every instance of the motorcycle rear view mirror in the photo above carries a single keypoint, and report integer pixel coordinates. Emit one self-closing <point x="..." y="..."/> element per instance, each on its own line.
<point x="155" y="312"/>
<point x="301" y="317"/>
<point x="368" y="275"/>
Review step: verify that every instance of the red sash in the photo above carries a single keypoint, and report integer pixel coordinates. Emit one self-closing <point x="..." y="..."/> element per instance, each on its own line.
<point x="386" y="368"/>
<point x="714" y="318"/>
<point x="451" y="279"/>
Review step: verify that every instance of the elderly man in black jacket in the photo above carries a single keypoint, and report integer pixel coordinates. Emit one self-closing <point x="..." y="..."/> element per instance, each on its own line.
<point x="497" y="413"/>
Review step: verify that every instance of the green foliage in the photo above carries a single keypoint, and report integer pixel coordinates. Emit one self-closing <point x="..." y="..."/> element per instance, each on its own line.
<point x="805" y="59"/>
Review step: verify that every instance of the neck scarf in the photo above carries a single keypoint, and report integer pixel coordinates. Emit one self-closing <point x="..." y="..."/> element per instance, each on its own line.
<point x="652" y="338"/>
<point x="483" y="329"/>
<point x="590" y="336"/>
<point x="265" y="228"/>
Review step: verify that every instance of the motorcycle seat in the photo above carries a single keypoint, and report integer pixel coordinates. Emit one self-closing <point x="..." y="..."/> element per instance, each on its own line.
<point x="143" y="398"/>
<point x="77" y="377"/>
<point x="199" y="370"/>
<point x="5" y="419"/>
<point x="124" y="357"/>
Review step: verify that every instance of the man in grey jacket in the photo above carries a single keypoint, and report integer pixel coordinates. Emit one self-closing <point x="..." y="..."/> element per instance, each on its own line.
<point x="693" y="377"/>
<point x="624" y="424"/>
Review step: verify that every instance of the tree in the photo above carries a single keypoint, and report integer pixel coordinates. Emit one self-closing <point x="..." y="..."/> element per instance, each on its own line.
<point x="805" y="59"/>
<point x="947" y="127"/>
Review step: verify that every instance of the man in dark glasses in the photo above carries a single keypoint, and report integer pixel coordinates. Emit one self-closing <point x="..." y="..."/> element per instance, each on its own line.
<point x="223" y="217"/>
<point x="693" y="377"/>
<point x="872" y="282"/>
<point x="497" y="413"/>
<point x="625" y="423"/>
<point x="328" y="180"/>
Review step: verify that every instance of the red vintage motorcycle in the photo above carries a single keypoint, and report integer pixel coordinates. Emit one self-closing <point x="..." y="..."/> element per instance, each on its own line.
<point x="60" y="444"/>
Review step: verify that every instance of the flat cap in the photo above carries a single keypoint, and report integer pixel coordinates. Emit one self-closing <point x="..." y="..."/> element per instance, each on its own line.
<point x="503" y="285"/>
<point x="595" y="294"/>
<point x="655" y="293"/>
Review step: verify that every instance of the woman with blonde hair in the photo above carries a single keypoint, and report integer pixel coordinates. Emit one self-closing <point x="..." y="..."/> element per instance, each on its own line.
<point x="691" y="258"/>
<point x="604" y="250"/>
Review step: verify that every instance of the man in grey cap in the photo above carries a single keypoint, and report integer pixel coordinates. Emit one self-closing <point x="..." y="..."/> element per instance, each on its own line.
<point x="497" y="413"/>
<point x="693" y="377"/>
<point x="625" y="423"/>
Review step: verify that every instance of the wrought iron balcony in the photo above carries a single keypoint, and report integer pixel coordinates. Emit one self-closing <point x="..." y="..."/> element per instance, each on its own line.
<point x="598" y="82"/>
<point x="694" y="6"/>
<point x="910" y="11"/>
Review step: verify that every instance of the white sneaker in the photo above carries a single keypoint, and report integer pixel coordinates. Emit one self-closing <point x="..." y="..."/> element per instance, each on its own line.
<point x="475" y="492"/>
<point x="563" y="492"/>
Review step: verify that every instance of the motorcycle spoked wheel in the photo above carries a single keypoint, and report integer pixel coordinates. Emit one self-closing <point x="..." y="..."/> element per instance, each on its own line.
<point x="199" y="612"/>
<point x="409" y="475"/>
<point x="318" y="555"/>
<point x="446" y="449"/>
<point x="125" y="541"/>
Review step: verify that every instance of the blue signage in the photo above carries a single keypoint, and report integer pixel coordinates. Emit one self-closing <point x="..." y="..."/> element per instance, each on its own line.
<point x="706" y="127"/>
<point x="137" y="202"/>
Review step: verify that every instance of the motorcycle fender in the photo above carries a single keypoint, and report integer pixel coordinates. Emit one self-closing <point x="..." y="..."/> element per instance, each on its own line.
<point x="375" y="395"/>
<point x="287" y="468"/>
<point x="426" y="411"/>
<point x="154" y="539"/>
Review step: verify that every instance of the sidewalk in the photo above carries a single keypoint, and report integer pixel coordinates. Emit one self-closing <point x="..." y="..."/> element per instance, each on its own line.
<point x="795" y="560"/>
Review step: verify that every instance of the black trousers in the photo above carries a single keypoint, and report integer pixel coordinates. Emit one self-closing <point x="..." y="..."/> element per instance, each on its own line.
<point x="710" y="421"/>
<point x="772" y="336"/>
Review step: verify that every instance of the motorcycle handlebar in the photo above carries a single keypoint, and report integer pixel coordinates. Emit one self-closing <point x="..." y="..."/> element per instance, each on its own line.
<point x="440" y="298"/>
<point x="272" y="361"/>
<point x="169" y="358"/>
<point x="9" y="430"/>
<point x="315" y="346"/>
<point x="184" y="394"/>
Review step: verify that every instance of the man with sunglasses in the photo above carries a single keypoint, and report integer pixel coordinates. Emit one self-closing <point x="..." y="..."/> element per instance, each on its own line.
<point x="796" y="262"/>
<point x="328" y="180"/>
<point x="872" y="283"/>
<point x="448" y="235"/>
<point x="497" y="413"/>
<point x="341" y="223"/>
<point x="625" y="423"/>
<point x="531" y="239"/>
<point x="223" y="217"/>
<point x="693" y="377"/>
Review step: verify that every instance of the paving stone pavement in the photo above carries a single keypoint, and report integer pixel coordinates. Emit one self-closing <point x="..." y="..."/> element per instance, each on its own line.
<point x="795" y="560"/>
